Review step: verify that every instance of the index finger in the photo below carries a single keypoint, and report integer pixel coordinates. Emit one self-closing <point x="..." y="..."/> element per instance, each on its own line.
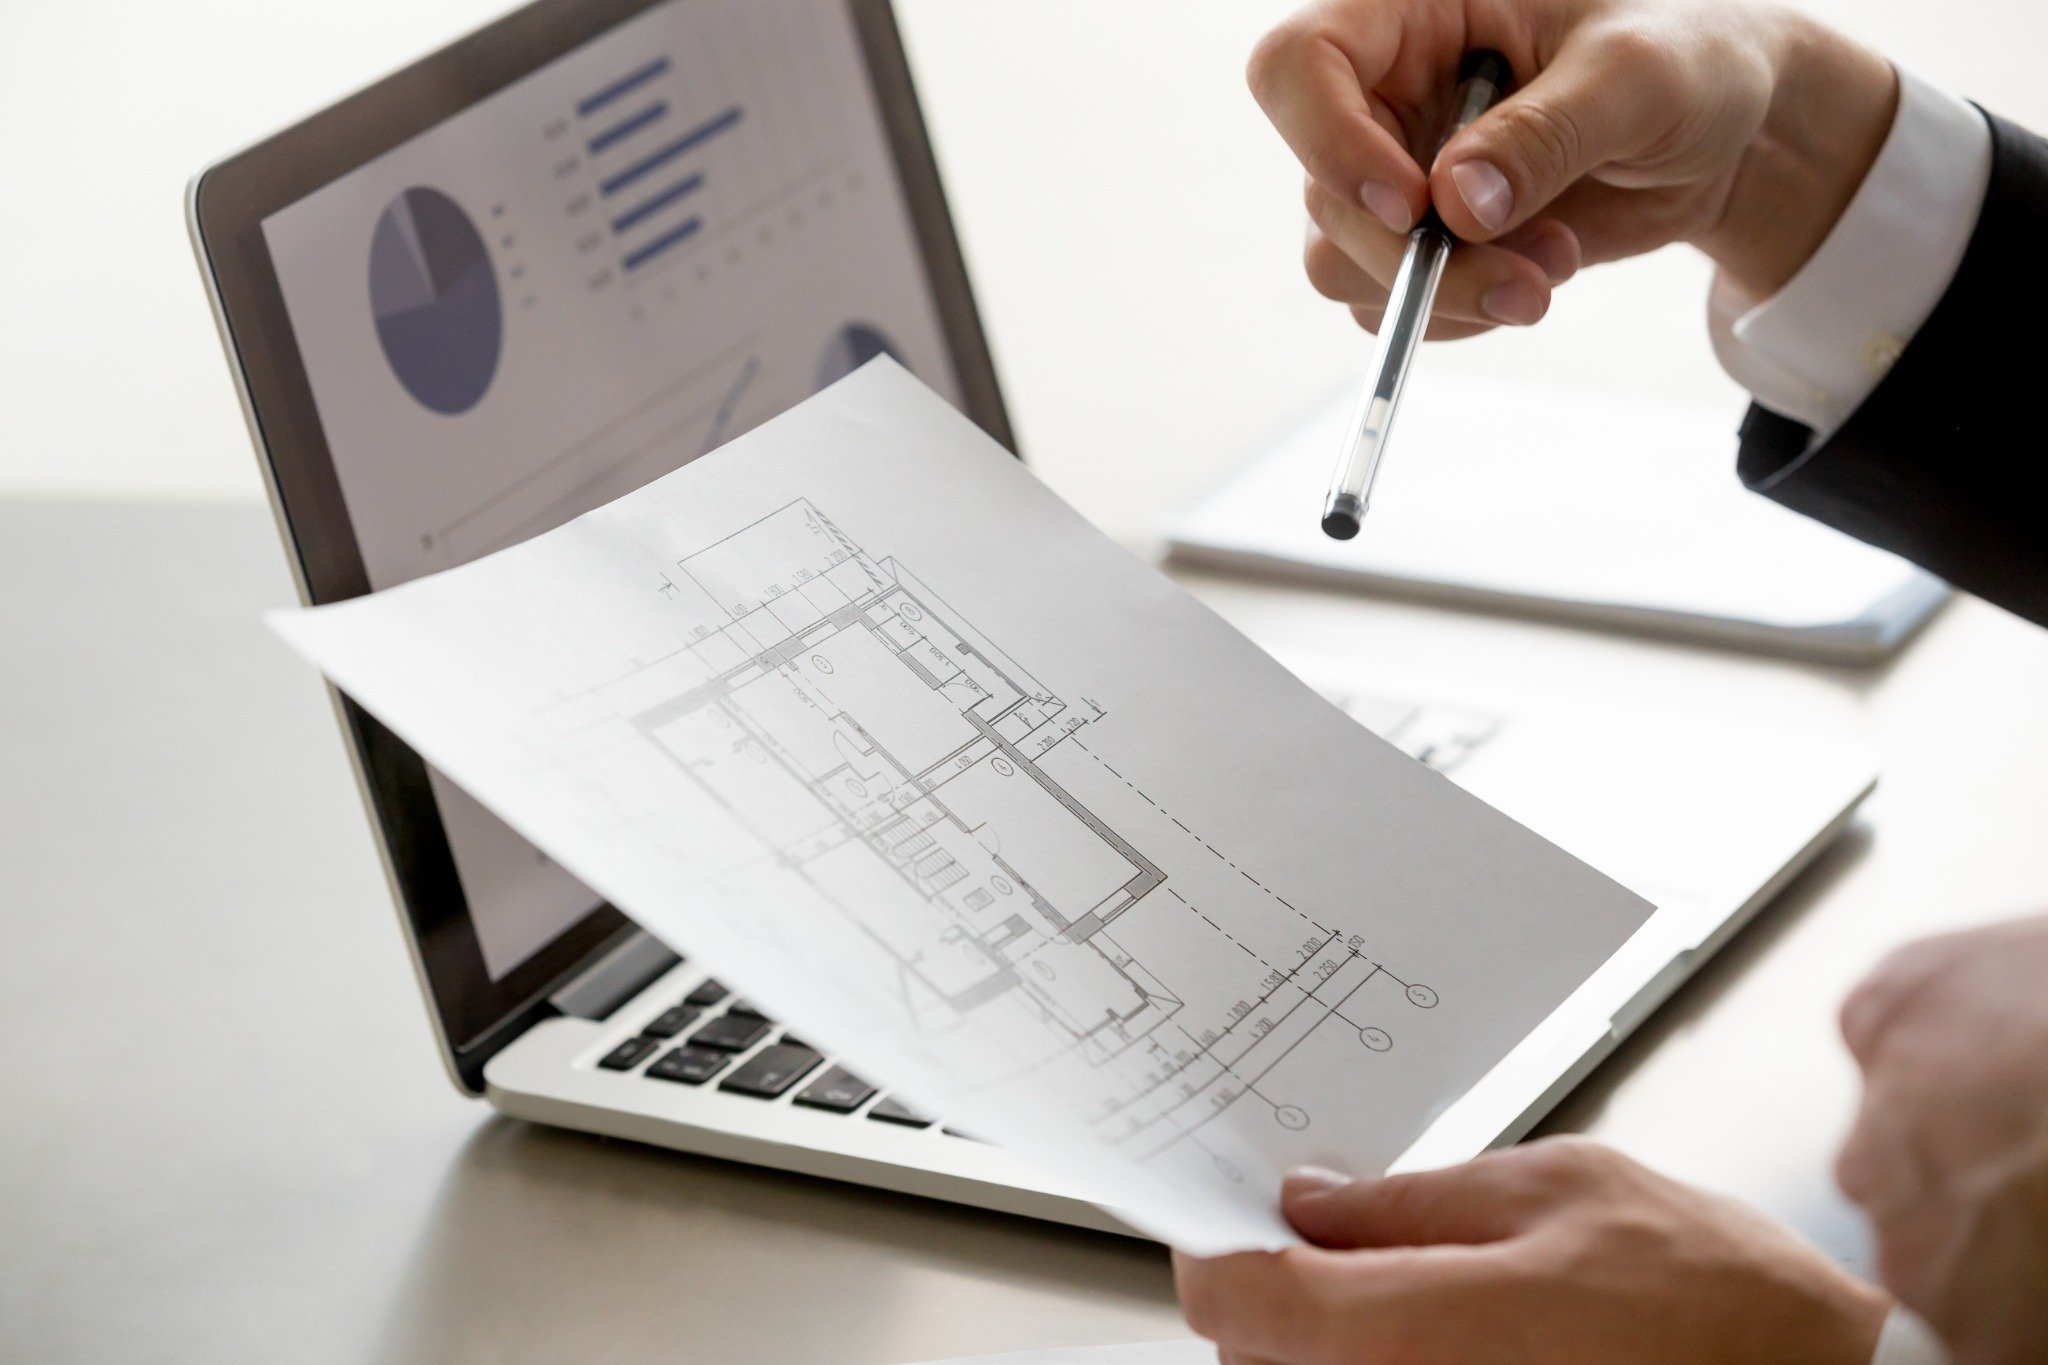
<point x="1313" y="81"/>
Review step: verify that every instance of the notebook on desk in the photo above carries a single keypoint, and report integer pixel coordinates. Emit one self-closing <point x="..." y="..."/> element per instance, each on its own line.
<point x="1603" y="508"/>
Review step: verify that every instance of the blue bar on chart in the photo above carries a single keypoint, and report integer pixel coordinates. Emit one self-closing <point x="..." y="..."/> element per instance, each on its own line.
<point x="619" y="132"/>
<point x="642" y="255"/>
<point x="622" y="87"/>
<point x="647" y="208"/>
<point x="688" y="142"/>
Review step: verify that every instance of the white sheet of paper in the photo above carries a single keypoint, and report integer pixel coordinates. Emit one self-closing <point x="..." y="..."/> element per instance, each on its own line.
<point x="858" y="712"/>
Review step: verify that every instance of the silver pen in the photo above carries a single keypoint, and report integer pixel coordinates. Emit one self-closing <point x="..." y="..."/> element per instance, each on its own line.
<point x="1482" y="78"/>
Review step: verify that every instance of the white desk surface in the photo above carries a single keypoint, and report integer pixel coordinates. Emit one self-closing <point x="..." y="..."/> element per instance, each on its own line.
<point x="225" y="1135"/>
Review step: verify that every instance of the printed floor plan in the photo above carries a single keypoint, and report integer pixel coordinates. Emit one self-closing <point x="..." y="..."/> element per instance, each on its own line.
<point x="857" y="712"/>
<point x="876" y="741"/>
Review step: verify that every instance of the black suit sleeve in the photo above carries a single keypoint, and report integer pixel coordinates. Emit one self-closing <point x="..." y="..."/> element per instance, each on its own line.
<point x="1944" y="463"/>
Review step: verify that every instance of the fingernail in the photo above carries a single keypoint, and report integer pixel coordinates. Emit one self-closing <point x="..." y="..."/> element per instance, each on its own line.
<point x="1556" y="254"/>
<point x="1516" y="303"/>
<point x="1309" y="1181"/>
<point x="1485" y="191"/>
<point x="1386" y="204"/>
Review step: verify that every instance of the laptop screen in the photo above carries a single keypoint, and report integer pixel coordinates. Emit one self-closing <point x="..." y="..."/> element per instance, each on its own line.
<point x="608" y="267"/>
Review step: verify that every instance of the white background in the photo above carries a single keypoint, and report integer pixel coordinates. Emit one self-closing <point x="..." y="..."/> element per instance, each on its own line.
<point x="1132" y="225"/>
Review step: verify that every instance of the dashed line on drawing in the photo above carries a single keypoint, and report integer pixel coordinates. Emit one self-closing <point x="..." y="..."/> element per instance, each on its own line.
<point x="1220" y="929"/>
<point x="1320" y="927"/>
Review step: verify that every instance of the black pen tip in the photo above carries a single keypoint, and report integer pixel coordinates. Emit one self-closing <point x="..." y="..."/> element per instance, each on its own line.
<point x="1340" y="525"/>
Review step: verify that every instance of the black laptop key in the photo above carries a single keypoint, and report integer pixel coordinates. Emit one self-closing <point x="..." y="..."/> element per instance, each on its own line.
<point x="707" y="993"/>
<point x="838" y="1090"/>
<point x="731" y="1033"/>
<point x="893" y="1110"/>
<point x="746" y="1008"/>
<point x="690" y="1065"/>
<point x="772" y="1071"/>
<point x="669" y="1023"/>
<point x="629" y="1054"/>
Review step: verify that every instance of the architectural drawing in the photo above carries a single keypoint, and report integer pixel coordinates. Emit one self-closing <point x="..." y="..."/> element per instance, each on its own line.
<point x="875" y="741"/>
<point x="857" y="711"/>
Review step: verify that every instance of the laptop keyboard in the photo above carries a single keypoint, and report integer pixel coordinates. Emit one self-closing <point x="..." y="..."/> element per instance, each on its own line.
<point x="711" y="1036"/>
<point x="708" y="1036"/>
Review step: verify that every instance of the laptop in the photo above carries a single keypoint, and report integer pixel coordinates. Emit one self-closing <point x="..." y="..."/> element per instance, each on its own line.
<point x="580" y="247"/>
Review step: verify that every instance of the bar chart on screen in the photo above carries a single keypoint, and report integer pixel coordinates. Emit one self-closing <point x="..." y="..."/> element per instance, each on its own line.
<point x="698" y="157"/>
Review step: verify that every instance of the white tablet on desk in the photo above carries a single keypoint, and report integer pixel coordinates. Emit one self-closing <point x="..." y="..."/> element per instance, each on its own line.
<point x="1604" y="508"/>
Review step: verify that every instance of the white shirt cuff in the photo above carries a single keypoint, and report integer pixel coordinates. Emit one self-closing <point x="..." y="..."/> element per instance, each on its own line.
<point x="1818" y="347"/>
<point x="1906" y="1340"/>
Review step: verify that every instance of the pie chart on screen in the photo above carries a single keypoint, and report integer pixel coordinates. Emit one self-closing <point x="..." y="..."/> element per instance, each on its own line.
<point x="435" y="299"/>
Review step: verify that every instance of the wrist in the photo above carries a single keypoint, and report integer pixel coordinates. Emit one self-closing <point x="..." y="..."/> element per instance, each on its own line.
<point x="1832" y="106"/>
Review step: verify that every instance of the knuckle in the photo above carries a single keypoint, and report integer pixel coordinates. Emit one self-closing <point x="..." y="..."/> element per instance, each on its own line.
<point x="1648" y="61"/>
<point x="1569" y="1171"/>
<point x="1547" y="140"/>
<point x="1330" y="272"/>
<point x="1317" y="201"/>
<point x="1327" y="154"/>
<point x="1271" y="56"/>
<point x="1620" y="1236"/>
<point x="1258" y="68"/>
<point x="1563" y="1160"/>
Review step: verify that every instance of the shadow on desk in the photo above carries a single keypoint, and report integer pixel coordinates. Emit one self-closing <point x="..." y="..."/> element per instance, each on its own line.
<point x="542" y="1243"/>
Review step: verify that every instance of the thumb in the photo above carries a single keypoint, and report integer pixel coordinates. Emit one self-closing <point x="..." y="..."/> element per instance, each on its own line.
<point x="1602" y="99"/>
<point x="1470" y="1204"/>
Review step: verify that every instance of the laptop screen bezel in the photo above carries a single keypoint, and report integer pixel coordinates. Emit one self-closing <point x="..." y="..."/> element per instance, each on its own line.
<point x="229" y="201"/>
